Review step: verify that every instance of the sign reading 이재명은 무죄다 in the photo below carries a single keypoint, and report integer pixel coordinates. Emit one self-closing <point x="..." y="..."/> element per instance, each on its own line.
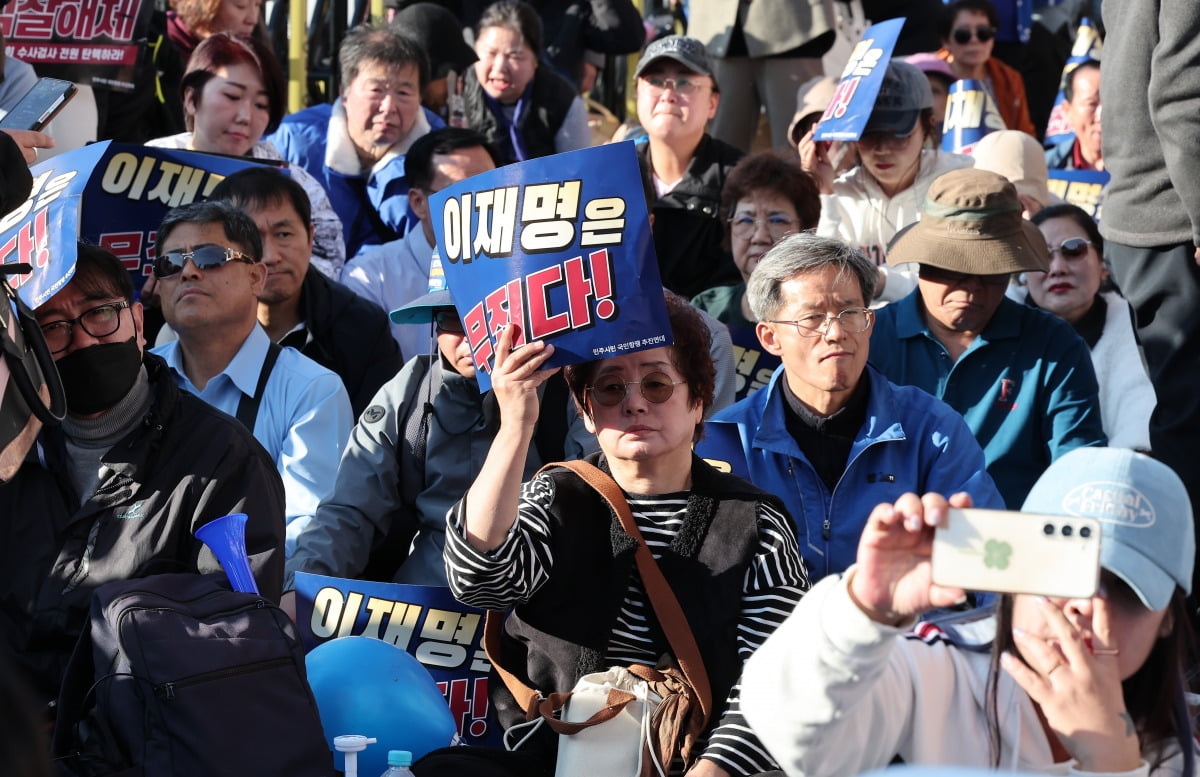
<point x="559" y="246"/>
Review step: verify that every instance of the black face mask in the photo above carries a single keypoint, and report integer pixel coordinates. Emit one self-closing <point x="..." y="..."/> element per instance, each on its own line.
<point x="96" y="378"/>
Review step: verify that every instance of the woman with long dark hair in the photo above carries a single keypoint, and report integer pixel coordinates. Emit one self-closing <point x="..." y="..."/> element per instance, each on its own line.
<point x="1048" y="685"/>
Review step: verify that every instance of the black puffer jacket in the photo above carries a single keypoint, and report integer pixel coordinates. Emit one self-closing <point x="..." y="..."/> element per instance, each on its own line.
<point x="185" y="464"/>
<point x="348" y="335"/>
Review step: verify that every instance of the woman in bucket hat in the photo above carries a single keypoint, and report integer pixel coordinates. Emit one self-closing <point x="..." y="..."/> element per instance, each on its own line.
<point x="1069" y="686"/>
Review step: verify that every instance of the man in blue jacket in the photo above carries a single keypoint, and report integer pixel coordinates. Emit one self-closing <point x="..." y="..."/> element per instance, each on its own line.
<point x="1022" y="378"/>
<point x="829" y="435"/>
<point x="355" y="147"/>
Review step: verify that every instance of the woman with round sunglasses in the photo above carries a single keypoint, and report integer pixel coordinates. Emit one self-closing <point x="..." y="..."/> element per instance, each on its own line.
<point x="1077" y="288"/>
<point x="967" y="29"/>
<point x="1044" y="685"/>
<point x="766" y="197"/>
<point x="233" y="95"/>
<point x="869" y="204"/>
<point x="552" y="550"/>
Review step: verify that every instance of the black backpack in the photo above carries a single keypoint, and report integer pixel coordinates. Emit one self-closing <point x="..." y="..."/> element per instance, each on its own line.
<point x="177" y="675"/>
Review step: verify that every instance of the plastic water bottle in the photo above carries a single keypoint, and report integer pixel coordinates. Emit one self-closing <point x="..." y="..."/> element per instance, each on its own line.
<point x="398" y="763"/>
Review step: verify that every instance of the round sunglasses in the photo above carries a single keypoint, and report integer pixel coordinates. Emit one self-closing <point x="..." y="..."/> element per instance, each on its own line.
<point x="657" y="387"/>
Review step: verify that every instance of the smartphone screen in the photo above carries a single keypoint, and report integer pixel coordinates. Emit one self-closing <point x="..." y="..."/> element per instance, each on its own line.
<point x="39" y="105"/>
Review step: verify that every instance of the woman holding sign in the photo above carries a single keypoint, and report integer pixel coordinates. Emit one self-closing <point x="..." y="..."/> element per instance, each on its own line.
<point x="867" y="205"/>
<point x="1071" y="686"/>
<point x="552" y="550"/>
<point x="233" y="94"/>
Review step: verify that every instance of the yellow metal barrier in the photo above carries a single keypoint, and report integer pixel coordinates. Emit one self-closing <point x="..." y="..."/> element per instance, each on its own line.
<point x="297" y="93"/>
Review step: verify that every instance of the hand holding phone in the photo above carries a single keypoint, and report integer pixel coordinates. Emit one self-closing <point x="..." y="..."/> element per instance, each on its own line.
<point x="29" y="142"/>
<point x="39" y="105"/>
<point x="1013" y="552"/>
<point x="891" y="580"/>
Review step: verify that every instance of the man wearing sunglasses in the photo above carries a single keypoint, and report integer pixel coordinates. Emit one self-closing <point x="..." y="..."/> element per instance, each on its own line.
<point x="210" y="276"/>
<point x="413" y="454"/>
<point x="299" y="306"/>
<point x="117" y="489"/>
<point x="1022" y="378"/>
<point x="967" y="29"/>
<point x="829" y="435"/>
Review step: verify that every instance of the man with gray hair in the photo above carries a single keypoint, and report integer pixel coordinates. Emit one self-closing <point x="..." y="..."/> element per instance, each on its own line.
<point x="830" y="435"/>
<point x="355" y="146"/>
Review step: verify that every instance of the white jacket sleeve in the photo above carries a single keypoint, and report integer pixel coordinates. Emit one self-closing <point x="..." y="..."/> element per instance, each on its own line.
<point x="822" y="681"/>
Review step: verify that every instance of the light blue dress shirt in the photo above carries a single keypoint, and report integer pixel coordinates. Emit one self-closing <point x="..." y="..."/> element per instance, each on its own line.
<point x="392" y="275"/>
<point x="303" y="421"/>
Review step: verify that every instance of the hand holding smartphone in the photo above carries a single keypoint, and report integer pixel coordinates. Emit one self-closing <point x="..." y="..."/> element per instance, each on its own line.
<point x="39" y="105"/>
<point x="1012" y="552"/>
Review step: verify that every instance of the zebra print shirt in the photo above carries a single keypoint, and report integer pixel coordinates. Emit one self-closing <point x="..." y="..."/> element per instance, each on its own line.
<point x="513" y="572"/>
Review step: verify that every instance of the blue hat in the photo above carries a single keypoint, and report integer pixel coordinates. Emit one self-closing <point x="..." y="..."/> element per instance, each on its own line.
<point x="1147" y="537"/>
<point x="421" y="309"/>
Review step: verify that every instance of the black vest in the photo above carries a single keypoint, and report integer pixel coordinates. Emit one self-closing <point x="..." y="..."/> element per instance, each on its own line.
<point x="563" y="632"/>
<point x="549" y="101"/>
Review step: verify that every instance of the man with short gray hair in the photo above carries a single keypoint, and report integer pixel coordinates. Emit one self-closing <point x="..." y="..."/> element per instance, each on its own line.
<point x="830" y="435"/>
<point x="355" y="146"/>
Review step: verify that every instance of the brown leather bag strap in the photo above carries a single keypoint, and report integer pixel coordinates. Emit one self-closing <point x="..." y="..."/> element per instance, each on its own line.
<point x="616" y="701"/>
<point x="528" y="698"/>
<point x="662" y="598"/>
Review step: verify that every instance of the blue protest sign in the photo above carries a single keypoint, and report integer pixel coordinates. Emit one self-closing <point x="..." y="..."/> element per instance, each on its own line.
<point x="752" y="364"/>
<point x="1084" y="188"/>
<point x="722" y="446"/>
<point x="427" y="622"/>
<point x="109" y="194"/>
<point x="854" y="99"/>
<point x="971" y="113"/>
<point x="560" y="246"/>
<point x="1087" y="47"/>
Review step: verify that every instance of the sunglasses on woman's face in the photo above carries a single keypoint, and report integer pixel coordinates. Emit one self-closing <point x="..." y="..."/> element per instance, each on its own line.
<point x="657" y="387"/>
<point x="1071" y="248"/>
<point x="962" y="35"/>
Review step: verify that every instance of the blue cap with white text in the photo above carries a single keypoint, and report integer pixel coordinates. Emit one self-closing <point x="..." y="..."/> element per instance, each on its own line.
<point x="1147" y="537"/>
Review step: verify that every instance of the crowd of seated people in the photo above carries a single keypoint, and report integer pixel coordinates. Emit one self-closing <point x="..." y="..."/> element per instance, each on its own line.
<point x="943" y="331"/>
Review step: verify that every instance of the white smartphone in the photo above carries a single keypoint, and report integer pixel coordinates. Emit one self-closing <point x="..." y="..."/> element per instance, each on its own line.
<point x="39" y="105"/>
<point x="1021" y="553"/>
